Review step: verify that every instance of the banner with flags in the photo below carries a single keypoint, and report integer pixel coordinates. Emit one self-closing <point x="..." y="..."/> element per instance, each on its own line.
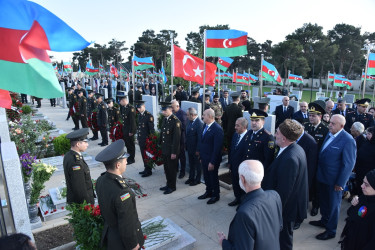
<point x="295" y="78"/>
<point x="142" y="63"/>
<point x="270" y="73"/>
<point x="368" y="77"/>
<point x="223" y="63"/>
<point x="342" y="82"/>
<point x="90" y="70"/>
<point x="371" y="64"/>
<point x="241" y="78"/>
<point x="332" y="76"/>
<point x="226" y="43"/>
<point x="252" y="78"/>
<point x="68" y="67"/>
<point x="101" y="68"/>
<point x="224" y="75"/>
<point x="122" y="72"/>
<point x="113" y="70"/>
<point x="163" y="76"/>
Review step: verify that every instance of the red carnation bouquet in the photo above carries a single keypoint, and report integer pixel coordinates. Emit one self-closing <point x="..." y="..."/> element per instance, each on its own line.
<point x="74" y="110"/>
<point x="92" y="121"/>
<point x="115" y="133"/>
<point x="153" y="150"/>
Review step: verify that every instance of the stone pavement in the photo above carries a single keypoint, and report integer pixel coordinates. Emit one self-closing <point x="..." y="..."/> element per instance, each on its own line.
<point x="200" y="220"/>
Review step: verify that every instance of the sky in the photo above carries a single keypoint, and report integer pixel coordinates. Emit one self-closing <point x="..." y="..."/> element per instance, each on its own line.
<point x="99" y="21"/>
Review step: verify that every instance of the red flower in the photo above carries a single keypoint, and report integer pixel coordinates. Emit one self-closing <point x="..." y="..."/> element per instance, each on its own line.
<point x="46" y="212"/>
<point x="62" y="207"/>
<point x="144" y="195"/>
<point x="145" y="237"/>
<point x="55" y="210"/>
<point x="87" y="208"/>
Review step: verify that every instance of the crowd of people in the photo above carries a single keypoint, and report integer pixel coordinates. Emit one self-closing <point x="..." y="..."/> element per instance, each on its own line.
<point x="273" y="176"/>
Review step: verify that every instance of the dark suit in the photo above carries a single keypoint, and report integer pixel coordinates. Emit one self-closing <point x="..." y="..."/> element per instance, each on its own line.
<point x="230" y="116"/>
<point x="366" y="119"/>
<point x="181" y="115"/>
<point x="223" y="104"/>
<point x="336" y="162"/>
<point x="281" y="115"/>
<point x="237" y="153"/>
<point x="257" y="223"/>
<point x="288" y="176"/>
<point x="299" y="116"/>
<point x="145" y="128"/>
<point x="210" y="145"/>
<point x="310" y="147"/>
<point x="193" y="132"/>
<point x="102" y="120"/>
<point x="336" y="111"/>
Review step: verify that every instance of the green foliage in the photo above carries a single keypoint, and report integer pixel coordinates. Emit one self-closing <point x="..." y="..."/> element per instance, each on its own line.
<point x="87" y="223"/>
<point x="26" y="109"/>
<point x="61" y="144"/>
<point x="41" y="174"/>
<point x="160" y="120"/>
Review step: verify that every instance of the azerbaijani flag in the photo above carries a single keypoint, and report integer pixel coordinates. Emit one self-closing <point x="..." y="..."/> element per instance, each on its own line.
<point x="270" y="73"/>
<point x="55" y="68"/>
<point x="138" y="73"/>
<point x="165" y="79"/>
<point x="252" y="78"/>
<point x="226" y="43"/>
<point x="332" y="76"/>
<point x="342" y="82"/>
<point x="227" y="75"/>
<point x="122" y="72"/>
<point x="371" y="64"/>
<point x="101" y="68"/>
<point x="368" y="77"/>
<point x="142" y="63"/>
<point x="241" y="78"/>
<point x="90" y="70"/>
<point x="68" y="67"/>
<point x="224" y="62"/>
<point x="295" y="78"/>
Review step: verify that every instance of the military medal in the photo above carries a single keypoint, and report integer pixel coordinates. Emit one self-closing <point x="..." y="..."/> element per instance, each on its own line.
<point x="362" y="211"/>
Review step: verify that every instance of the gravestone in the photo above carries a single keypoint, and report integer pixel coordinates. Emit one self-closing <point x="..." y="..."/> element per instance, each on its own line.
<point x="349" y="98"/>
<point x="295" y="105"/>
<point x="255" y="92"/>
<point x="319" y="94"/>
<point x="185" y="105"/>
<point x="104" y="92"/>
<point x="269" y="122"/>
<point x="275" y="100"/>
<point x="322" y="98"/>
<point x="238" y="88"/>
<point x="256" y="100"/>
<point x="152" y="107"/>
<point x="225" y="87"/>
<point x="210" y="88"/>
<point x="297" y="93"/>
<point x="337" y="94"/>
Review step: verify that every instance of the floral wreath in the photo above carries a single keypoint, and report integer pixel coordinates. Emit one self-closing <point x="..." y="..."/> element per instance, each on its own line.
<point x="152" y="153"/>
<point x="92" y="121"/>
<point x="115" y="132"/>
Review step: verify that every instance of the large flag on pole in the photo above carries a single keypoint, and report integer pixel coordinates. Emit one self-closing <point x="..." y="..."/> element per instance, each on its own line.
<point x="295" y="78"/>
<point x="241" y="78"/>
<point x="369" y="78"/>
<point x="90" y="70"/>
<point x="190" y="67"/>
<point x="142" y="63"/>
<point x="252" y="78"/>
<point x="68" y="67"/>
<point x="163" y="75"/>
<point x="371" y="64"/>
<point x="332" y="76"/>
<point x="270" y="73"/>
<point x="223" y="63"/>
<point x="27" y="30"/>
<point x="226" y="43"/>
<point x="342" y="82"/>
<point x="113" y="70"/>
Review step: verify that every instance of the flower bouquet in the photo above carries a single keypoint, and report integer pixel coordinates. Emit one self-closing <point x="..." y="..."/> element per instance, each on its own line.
<point x="137" y="189"/>
<point x="74" y="110"/>
<point x="42" y="172"/>
<point x="27" y="166"/>
<point x="115" y="132"/>
<point x="153" y="154"/>
<point x="92" y="121"/>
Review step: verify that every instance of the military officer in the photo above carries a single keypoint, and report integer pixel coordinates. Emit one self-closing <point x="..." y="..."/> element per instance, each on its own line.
<point x="91" y="106"/>
<point x="217" y="108"/>
<point x="102" y="119"/>
<point x="138" y="92"/>
<point x="127" y="112"/>
<point x="260" y="143"/>
<point x="113" y="113"/>
<point x="229" y="118"/>
<point x="263" y="104"/>
<point x="317" y="129"/>
<point x="77" y="173"/>
<point x="82" y="103"/>
<point x="360" y="115"/>
<point x="72" y="106"/>
<point x="122" y="228"/>
<point x="130" y="94"/>
<point x="195" y="95"/>
<point x="169" y="97"/>
<point x="145" y="128"/>
<point x="170" y="144"/>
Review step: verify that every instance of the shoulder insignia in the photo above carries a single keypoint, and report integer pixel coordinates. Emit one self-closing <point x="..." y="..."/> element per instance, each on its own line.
<point x="77" y="157"/>
<point x="271" y="144"/>
<point x="124" y="196"/>
<point x="178" y="124"/>
<point x="132" y="109"/>
<point x="122" y="183"/>
<point x="76" y="168"/>
<point x="84" y="100"/>
<point x="118" y="112"/>
<point x="151" y="118"/>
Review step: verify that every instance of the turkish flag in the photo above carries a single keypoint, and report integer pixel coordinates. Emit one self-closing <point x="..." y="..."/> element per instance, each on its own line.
<point x="190" y="67"/>
<point x="5" y="99"/>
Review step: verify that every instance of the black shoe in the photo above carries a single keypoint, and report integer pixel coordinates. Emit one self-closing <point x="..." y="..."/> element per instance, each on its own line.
<point x="296" y="225"/>
<point x="142" y="172"/>
<point x="194" y="183"/>
<point x="317" y="223"/>
<point x="325" y="236"/>
<point x="147" y="174"/>
<point x="169" y="190"/>
<point x="93" y="138"/>
<point x="104" y="144"/>
<point x="130" y="161"/>
<point x="188" y="181"/>
<point x="163" y="188"/>
<point x="314" y="211"/>
<point x="181" y="175"/>
<point x="67" y="119"/>
<point x="204" y="196"/>
<point x="213" y="200"/>
<point x="234" y="203"/>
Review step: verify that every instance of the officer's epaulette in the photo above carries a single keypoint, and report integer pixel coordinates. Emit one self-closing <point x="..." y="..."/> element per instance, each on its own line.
<point x="350" y="111"/>
<point x="103" y="173"/>
<point x="77" y="157"/>
<point x="122" y="183"/>
<point x="267" y="132"/>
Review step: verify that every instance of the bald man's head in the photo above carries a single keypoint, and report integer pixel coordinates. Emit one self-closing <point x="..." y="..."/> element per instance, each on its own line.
<point x="251" y="174"/>
<point x="336" y="123"/>
<point x="329" y="106"/>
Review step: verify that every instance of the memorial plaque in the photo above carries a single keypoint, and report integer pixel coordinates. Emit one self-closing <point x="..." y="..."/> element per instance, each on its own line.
<point x="152" y="107"/>
<point x="185" y="105"/>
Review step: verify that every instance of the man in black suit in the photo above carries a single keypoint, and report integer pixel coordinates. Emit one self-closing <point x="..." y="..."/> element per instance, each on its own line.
<point x="225" y="100"/>
<point x="237" y="152"/>
<point x="301" y="115"/>
<point x="210" y="145"/>
<point x="283" y="111"/>
<point x="341" y="108"/>
<point x="288" y="176"/>
<point x="193" y="131"/>
<point x="258" y="221"/>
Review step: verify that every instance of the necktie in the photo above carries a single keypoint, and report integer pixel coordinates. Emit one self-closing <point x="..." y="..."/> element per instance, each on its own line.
<point x="284" y="109"/>
<point x="205" y="130"/>
<point x="342" y="112"/>
<point x="226" y="101"/>
<point x="304" y="116"/>
<point x="238" y="140"/>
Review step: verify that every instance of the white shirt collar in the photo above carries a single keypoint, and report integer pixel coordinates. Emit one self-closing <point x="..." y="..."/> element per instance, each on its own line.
<point x="335" y="135"/>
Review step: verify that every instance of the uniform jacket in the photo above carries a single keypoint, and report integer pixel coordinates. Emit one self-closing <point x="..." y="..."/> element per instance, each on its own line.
<point x="257" y="223"/>
<point x="310" y="147"/>
<point x="113" y="115"/>
<point x="319" y="134"/>
<point x="102" y="117"/>
<point x="351" y="117"/>
<point x="280" y="116"/>
<point x="181" y="115"/>
<point x="145" y="127"/>
<point x="211" y="143"/>
<point x="170" y="135"/>
<point x="72" y="99"/>
<point x="78" y="179"/>
<point x="299" y="117"/>
<point x="337" y="160"/>
<point x="261" y="147"/>
<point x="122" y="229"/>
<point x="128" y="119"/>
<point x="130" y="96"/>
<point x="91" y="105"/>
<point x="82" y="105"/>
<point x="287" y="175"/>
<point x="138" y="95"/>
<point x="193" y="130"/>
<point x="230" y="116"/>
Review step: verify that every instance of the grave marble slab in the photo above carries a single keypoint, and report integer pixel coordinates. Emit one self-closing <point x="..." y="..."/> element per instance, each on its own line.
<point x="185" y="105"/>
<point x="295" y="105"/>
<point x="275" y="100"/>
<point x="238" y="88"/>
<point x="152" y="107"/>
<point x="297" y="93"/>
<point x="255" y="92"/>
<point x="349" y="98"/>
<point x="319" y="94"/>
<point x="57" y="161"/>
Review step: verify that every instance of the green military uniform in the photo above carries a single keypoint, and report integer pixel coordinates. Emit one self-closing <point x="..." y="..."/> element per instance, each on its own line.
<point x="113" y="116"/>
<point x="91" y="106"/>
<point x="73" y="99"/>
<point x="83" y="111"/>
<point x="128" y="119"/>
<point x="122" y="228"/>
<point x="218" y="109"/>
<point x="77" y="173"/>
<point x="319" y="133"/>
<point x="170" y="144"/>
<point x="102" y="119"/>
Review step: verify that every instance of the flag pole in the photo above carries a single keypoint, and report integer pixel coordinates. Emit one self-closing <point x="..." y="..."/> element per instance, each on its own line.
<point x="204" y="67"/>
<point x="260" y="75"/>
<point x="190" y="87"/>
<point x="218" y="86"/>
<point x="233" y="79"/>
<point x="172" y="68"/>
<point x="133" y="78"/>
<point x="288" y="79"/>
<point x="236" y="78"/>
<point x="360" y="85"/>
<point x="249" y="82"/>
<point x="328" y="82"/>
<point x="364" y="81"/>
<point x="333" y="85"/>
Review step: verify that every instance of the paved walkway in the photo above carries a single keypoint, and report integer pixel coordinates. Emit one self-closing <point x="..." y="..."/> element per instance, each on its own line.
<point x="197" y="218"/>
